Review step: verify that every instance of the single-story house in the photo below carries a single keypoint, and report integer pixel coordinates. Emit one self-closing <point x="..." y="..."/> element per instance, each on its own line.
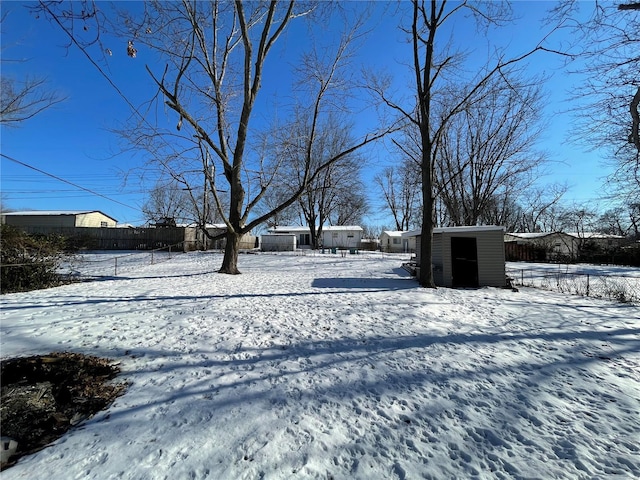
<point x="59" y="219"/>
<point x="393" y="242"/>
<point x="342" y="236"/>
<point x="541" y="246"/>
<point x="604" y="241"/>
<point x="466" y="256"/>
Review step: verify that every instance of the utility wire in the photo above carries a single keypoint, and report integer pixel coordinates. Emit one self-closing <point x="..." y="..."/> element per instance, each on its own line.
<point x="67" y="181"/>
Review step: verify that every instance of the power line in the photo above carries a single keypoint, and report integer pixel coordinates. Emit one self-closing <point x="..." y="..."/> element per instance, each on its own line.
<point x="67" y="181"/>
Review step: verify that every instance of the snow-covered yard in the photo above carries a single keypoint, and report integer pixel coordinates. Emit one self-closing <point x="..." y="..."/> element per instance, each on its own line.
<point x="610" y="282"/>
<point x="320" y="366"/>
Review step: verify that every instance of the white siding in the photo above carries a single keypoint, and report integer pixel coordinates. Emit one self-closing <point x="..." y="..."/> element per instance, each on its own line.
<point x="278" y="243"/>
<point x="94" y="219"/>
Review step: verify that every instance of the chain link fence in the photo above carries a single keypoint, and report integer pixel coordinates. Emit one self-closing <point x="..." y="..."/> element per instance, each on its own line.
<point x="616" y="286"/>
<point x="104" y="264"/>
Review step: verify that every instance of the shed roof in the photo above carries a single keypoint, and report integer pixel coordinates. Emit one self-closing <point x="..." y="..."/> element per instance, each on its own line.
<point x="475" y="228"/>
<point x="589" y="235"/>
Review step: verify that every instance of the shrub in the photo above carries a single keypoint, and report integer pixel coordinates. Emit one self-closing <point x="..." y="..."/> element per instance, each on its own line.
<point x="29" y="262"/>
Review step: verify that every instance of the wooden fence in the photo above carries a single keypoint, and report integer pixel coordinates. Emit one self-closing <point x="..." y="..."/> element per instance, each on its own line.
<point x="179" y="238"/>
<point x="182" y="238"/>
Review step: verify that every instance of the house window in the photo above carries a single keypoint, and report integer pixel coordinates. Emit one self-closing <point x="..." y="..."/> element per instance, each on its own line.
<point x="334" y="235"/>
<point x="305" y="239"/>
<point x="103" y="224"/>
<point x="396" y="241"/>
<point x="350" y="235"/>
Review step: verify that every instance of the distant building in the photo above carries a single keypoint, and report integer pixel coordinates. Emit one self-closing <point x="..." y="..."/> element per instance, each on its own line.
<point x="59" y="219"/>
<point x="394" y="242"/>
<point x="555" y="246"/>
<point x="341" y="236"/>
<point x="278" y="242"/>
<point x="539" y="246"/>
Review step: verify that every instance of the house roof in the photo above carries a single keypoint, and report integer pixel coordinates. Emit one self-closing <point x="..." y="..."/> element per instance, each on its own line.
<point x="475" y="228"/>
<point x="57" y="213"/>
<point x="393" y="233"/>
<point x="596" y="236"/>
<point x="328" y="228"/>
<point x="218" y="226"/>
<point x="532" y="235"/>
<point x="588" y="235"/>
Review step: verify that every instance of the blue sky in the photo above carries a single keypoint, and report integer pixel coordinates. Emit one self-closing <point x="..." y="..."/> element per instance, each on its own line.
<point x="72" y="140"/>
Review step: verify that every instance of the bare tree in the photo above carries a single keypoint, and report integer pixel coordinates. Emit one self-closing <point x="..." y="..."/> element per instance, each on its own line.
<point x="21" y="100"/>
<point x="540" y="208"/>
<point x="621" y="220"/>
<point x="350" y="203"/>
<point x="502" y="209"/>
<point x="24" y="98"/>
<point x="215" y="56"/>
<point x="430" y="63"/>
<point x="336" y="195"/>
<point x="400" y="188"/>
<point x="487" y="153"/>
<point x="167" y="200"/>
<point x="608" y="42"/>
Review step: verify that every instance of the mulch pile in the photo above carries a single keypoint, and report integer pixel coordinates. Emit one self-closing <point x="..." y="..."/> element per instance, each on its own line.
<point x="44" y="396"/>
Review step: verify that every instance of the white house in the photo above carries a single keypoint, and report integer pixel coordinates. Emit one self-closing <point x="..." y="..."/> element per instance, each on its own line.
<point x="342" y="236"/>
<point x="604" y="241"/>
<point x="393" y="242"/>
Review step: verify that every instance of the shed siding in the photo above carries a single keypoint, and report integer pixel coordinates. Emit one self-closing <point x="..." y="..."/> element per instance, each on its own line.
<point x="278" y="243"/>
<point x="490" y="250"/>
<point x="437" y="255"/>
<point x="491" y="268"/>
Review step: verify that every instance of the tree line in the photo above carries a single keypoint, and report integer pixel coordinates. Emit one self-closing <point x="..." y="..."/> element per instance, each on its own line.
<point x="463" y="136"/>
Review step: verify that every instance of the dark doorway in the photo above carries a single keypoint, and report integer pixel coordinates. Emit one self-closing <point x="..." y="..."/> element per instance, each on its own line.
<point x="305" y="239"/>
<point x="464" y="257"/>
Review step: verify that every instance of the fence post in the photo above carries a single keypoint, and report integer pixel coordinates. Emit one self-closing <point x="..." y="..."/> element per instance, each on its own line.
<point x="522" y="277"/>
<point x="587" y="284"/>
<point x="151" y="257"/>
<point x="115" y="268"/>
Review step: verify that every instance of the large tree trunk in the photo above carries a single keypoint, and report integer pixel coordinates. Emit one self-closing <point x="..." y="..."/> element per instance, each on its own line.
<point x="426" y="236"/>
<point x="230" y="260"/>
<point x="635" y="117"/>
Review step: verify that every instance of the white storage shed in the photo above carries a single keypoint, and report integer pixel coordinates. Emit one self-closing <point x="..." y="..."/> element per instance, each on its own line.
<point x="466" y="256"/>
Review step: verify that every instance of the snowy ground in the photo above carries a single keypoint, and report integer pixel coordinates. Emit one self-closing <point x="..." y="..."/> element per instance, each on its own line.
<point x="610" y="282"/>
<point x="110" y="263"/>
<point x="330" y="367"/>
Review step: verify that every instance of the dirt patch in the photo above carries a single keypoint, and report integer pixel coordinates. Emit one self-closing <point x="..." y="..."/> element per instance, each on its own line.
<point x="44" y="396"/>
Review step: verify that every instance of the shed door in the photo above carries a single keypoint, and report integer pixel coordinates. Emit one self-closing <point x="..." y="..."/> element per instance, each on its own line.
<point x="464" y="261"/>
